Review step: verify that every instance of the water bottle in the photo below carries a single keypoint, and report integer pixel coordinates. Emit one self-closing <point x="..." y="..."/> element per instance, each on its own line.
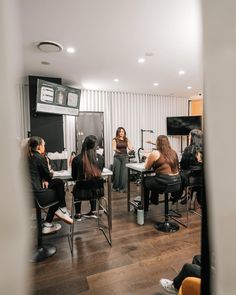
<point x="140" y="215"/>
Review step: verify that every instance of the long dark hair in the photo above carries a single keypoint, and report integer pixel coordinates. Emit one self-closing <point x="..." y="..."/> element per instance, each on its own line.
<point x="32" y="144"/>
<point x="118" y="132"/>
<point x="163" y="146"/>
<point x="89" y="158"/>
<point x="196" y="138"/>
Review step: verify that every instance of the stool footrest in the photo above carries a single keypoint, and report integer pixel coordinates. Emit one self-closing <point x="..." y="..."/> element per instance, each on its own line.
<point x="43" y="252"/>
<point x="174" y="213"/>
<point x="167" y="227"/>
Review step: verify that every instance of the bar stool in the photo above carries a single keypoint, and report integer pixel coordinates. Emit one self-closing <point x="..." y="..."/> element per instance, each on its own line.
<point x="167" y="226"/>
<point x="194" y="181"/>
<point x="42" y="251"/>
<point x="86" y="190"/>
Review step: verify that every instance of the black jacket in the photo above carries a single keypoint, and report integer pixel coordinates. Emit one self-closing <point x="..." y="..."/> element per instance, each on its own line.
<point x="38" y="171"/>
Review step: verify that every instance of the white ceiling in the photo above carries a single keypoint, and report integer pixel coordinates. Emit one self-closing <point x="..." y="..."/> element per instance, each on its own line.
<point x="109" y="36"/>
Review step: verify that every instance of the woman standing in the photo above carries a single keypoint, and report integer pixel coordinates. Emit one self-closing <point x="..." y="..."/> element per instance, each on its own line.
<point x="87" y="165"/>
<point x="164" y="161"/>
<point x="120" y="145"/>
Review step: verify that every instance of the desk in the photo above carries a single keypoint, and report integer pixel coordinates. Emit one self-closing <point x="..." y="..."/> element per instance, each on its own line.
<point x="106" y="173"/>
<point x="63" y="174"/>
<point x="138" y="167"/>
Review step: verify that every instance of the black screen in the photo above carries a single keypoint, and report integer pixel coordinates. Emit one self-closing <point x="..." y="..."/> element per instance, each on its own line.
<point x="183" y="125"/>
<point x="47" y="126"/>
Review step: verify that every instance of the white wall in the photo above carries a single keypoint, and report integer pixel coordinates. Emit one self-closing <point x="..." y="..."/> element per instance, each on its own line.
<point x="14" y="221"/>
<point x="219" y="28"/>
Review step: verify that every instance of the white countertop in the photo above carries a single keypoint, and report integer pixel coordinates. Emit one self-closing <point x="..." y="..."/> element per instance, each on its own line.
<point x="67" y="173"/>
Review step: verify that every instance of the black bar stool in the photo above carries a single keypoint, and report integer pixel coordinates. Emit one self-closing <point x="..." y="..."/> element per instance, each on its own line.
<point x="167" y="226"/>
<point x="42" y="251"/>
<point x="86" y="190"/>
<point x="194" y="181"/>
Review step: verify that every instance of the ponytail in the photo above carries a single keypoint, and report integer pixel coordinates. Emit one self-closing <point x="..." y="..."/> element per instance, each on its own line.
<point x="32" y="145"/>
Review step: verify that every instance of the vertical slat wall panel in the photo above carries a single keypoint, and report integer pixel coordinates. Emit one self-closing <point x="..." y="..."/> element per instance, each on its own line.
<point x="143" y="111"/>
<point x="132" y="111"/>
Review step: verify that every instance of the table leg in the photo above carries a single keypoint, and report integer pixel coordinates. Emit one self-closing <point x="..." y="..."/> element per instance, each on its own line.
<point x="109" y="200"/>
<point x="142" y="190"/>
<point x="128" y="191"/>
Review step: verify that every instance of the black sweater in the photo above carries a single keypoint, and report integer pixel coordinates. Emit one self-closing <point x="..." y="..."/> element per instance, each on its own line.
<point x="189" y="160"/>
<point x="77" y="166"/>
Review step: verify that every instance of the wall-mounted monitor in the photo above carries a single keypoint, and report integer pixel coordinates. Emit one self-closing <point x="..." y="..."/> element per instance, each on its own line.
<point x="57" y="99"/>
<point x="183" y="125"/>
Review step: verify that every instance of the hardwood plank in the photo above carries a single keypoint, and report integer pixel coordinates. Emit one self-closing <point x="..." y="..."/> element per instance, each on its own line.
<point x="138" y="258"/>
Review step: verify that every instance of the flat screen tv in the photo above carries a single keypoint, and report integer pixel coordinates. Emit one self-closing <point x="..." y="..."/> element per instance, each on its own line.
<point x="57" y="99"/>
<point x="183" y="125"/>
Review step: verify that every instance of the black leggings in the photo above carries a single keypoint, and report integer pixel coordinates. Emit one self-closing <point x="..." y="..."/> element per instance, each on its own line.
<point x="55" y="192"/>
<point x="188" y="270"/>
<point x="58" y="186"/>
<point x="78" y="206"/>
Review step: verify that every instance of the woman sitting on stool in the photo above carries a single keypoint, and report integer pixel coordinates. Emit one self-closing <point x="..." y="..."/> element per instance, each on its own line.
<point x="164" y="161"/>
<point x="43" y="185"/>
<point x="192" y="159"/>
<point x="87" y="165"/>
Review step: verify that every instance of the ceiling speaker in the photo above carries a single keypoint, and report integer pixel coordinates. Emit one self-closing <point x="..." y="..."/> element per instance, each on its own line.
<point x="49" y="46"/>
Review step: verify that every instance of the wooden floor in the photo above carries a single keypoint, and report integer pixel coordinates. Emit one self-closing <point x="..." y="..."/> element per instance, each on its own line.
<point x="138" y="258"/>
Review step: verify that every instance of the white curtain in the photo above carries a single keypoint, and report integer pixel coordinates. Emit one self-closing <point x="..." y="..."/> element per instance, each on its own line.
<point x="23" y="111"/>
<point x="131" y="111"/>
<point x="69" y="133"/>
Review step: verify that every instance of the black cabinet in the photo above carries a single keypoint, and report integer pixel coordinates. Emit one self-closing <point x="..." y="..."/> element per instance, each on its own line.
<point x="47" y="126"/>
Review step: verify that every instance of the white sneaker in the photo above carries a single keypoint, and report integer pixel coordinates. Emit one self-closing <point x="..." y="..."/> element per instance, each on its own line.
<point x="50" y="228"/>
<point x="168" y="286"/>
<point x="63" y="214"/>
<point x="65" y="211"/>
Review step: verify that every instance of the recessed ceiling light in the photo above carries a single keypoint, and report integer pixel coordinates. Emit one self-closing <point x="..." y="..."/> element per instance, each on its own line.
<point x="149" y="54"/>
<point x="155" y="84"/>
<point x="116" y="80"/>
<point x="70" y="50"/>
<point x="181" y="72"/>
<point x="46" y="63"/>
<point x="141" y="60"/>
<point x="189" y="87"/>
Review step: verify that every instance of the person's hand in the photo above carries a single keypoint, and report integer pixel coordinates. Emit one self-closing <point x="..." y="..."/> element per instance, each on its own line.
<point x="199" y="157"/>
<point x="131" y="153"/>
<point x="146" y="154"/>
<point x="45" y="184"/>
